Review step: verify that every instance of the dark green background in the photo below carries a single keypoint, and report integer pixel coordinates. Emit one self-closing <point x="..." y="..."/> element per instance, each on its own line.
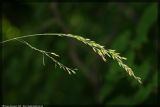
<point x="129" y="28"/>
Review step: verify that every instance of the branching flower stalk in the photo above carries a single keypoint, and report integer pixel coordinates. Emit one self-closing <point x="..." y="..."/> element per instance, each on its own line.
<point x="70" y="71"/>
<point x="97" y="48"/>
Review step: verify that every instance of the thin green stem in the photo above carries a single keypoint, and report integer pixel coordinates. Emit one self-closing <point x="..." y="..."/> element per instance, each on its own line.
<point x="33" y="35"/>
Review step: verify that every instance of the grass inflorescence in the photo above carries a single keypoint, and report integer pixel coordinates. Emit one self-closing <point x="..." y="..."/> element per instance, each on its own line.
<point x="97" y="48"/>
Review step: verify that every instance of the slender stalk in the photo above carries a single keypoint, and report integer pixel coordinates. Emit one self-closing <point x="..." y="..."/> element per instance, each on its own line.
<point x="32" y="35"/>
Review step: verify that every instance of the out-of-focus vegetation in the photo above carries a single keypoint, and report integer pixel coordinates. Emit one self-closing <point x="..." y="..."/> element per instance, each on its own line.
<point x="129" y="28"/>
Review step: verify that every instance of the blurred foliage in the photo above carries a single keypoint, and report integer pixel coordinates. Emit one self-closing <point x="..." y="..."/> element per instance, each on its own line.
<point x="129" y="28"/>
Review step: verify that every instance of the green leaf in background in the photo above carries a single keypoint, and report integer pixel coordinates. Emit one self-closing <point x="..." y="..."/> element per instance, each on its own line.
<point x="9" y="30"/>
<point x="122" y="41"/>
<point x="145" y="22"/>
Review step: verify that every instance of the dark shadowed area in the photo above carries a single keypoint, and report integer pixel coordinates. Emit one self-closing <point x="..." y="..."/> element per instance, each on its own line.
<point x="129" y="28"/>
